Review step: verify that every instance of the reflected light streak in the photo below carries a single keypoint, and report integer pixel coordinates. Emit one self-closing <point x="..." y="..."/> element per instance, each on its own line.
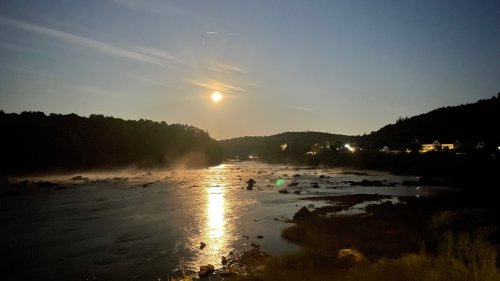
<point x="215" y="212"/>
<point x="215" y="228"/>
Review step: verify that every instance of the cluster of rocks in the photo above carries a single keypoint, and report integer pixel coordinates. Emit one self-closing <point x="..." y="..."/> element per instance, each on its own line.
<point x="422" y="181"/>
<point x="229" y="264"/>
<point x="366" y="182"/>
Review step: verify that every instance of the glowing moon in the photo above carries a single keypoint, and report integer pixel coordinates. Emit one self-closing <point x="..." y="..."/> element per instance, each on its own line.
<point x="216" y="97"/>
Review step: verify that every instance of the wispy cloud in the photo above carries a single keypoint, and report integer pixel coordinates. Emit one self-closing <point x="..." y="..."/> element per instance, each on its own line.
<point x="155" y="7"/>
<point x="213" y="85"/>
<point x="302" y="108"/>
<point x="164" y="55"/>
<point x="211" y="32"/>
<point x="83" y="42"/>
<point x="225" y="68"/>
<point x="150" y="81"/>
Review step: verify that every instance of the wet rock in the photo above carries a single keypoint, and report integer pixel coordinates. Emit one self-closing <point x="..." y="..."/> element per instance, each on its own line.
<point x="251" y="260"/>
<point x="246" y="236"/>
<point x="226" y="272"/>
<point x="293" y="183"/>
<point x="302" y="213"/>
<point x="311" y="206"/>
<point x="202" y="245"/>
<point x="250" y="183"/>
<point x="205" y="270"/>
<point x="314" y="185"/>
<point x="350" y="256"/>
<point x="79" y="178"/>
<point x="147" y="184"/>
<point x="322" y="176"/>
<point x="284" y="191"/>
<point x="366" y="182"/>
<point x="296" y="175"/>
<point x="260" y="236"/>
<point x="255" y="245"/>
<point x="297" y="192"/>
<point x="47" y="184"/>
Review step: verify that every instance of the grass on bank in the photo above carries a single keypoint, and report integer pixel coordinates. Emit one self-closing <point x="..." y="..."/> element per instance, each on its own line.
<point x="413" y="242"/>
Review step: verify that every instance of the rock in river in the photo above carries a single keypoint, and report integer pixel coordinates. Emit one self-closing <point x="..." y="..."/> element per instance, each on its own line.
<point x="302" y="213"/>
<point x="205" y="270"/>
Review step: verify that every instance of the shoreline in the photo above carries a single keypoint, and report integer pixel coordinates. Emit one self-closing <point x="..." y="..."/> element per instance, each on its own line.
<point x="418" y="232"/>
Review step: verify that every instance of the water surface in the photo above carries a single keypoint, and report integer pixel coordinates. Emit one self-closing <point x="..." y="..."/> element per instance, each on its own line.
<point x="149" y="225"/>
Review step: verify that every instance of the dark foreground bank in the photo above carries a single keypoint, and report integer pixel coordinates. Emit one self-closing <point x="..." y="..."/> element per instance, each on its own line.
<point x="447" y="237"/>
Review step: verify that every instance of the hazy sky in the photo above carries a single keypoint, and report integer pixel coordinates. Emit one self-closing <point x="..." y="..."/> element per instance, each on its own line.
<point x="336" y="66"/>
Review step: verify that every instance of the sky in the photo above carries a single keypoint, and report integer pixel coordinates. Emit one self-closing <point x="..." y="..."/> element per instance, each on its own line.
<point x="347" y="67"/>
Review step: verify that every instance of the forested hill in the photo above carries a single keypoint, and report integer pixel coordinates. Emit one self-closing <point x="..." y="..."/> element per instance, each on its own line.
<point x="35" y="142"/>
<point x="269" y="147"/>
<point x="469" y="124"/>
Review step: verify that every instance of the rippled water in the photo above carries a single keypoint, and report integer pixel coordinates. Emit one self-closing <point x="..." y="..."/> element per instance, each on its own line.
<point x="112" y="227"/>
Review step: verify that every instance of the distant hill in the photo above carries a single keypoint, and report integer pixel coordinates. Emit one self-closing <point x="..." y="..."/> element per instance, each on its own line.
<point x="469" y="124"/>
<point x="269" y="147"/>
<point x="35" y="142"/>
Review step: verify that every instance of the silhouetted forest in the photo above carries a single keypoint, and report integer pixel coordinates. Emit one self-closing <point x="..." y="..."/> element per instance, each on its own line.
<point x="35" y="142"/>
<point x="472" y="128"/>
<point x="469" y="124"/>
<point x="270" y="148"/>
<point x="466" y="126"/>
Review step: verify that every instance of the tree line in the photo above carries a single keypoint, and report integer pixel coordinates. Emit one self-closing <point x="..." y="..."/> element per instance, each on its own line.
<point x="34" y="142"/>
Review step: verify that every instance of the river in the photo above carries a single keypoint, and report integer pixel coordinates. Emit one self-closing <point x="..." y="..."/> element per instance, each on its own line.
<point x="137" y="225"/>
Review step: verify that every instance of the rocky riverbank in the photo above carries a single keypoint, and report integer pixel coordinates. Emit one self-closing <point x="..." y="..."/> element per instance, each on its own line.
<point x="449" y="236"/>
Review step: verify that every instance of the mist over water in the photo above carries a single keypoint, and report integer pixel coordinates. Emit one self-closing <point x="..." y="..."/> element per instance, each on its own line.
<point x="149" y="224"/>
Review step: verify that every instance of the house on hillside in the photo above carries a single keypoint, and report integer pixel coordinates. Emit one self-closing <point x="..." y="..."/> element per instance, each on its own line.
<point x="436" y="146"/>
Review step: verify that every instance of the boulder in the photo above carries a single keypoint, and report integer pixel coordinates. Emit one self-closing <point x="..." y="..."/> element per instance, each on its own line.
<point x="47" y="184"/>
<point x="205" y="270"/>
<point x="226" y="271"/>
<point x="79" y="178"/>
<point x="250" y="183"/>
<point x="350" y="256"/>
<point x="202" y="245"/>
<point x="302" y="213"/>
